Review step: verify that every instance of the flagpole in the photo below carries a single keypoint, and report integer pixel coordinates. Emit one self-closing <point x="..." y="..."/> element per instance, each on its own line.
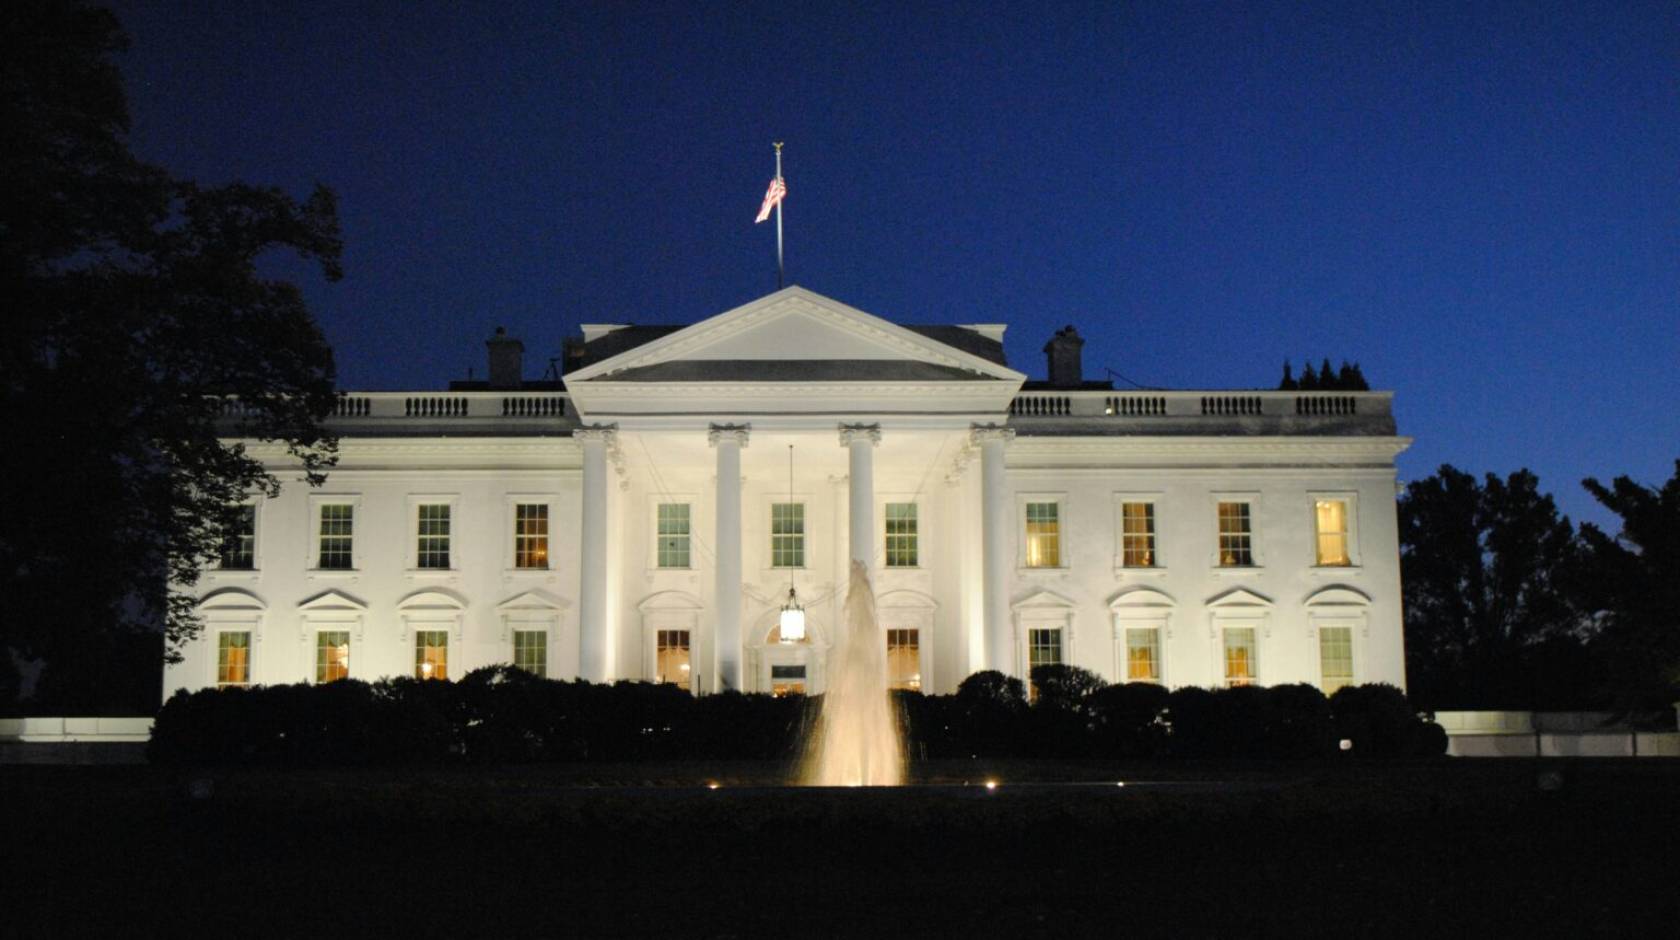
<point x="779" y="269"/>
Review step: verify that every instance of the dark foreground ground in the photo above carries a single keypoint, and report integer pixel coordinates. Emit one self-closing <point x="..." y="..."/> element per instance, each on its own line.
<point x="1448" y="848"/>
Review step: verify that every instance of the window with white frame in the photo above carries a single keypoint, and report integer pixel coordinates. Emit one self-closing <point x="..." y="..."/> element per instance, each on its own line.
<point x="1143" y="654"/>
<point x="1137" y="534"/>
<point x="432" y="535"/>
<point x="335" y="532"/>
<point x="233" y="658"/>
<point x="1242" y="665"/>
<point x="1236" y="534"/>
<point x="904" y="659"/>
<point x="332" y="655"/>
<point x="1335" y="658"/>
<point x="431" y="654"/>
<point x="530" y="535"/>
<point x="239" y="543"/>
<point x="530" y="652"/>
<point x="903" y="542"/>
<point x="672" y="534"/>
<point x="673" y="660"/>
<point x="787" y="535"/>
<point x="1044" y="534"/>
<point x="1330" y="522"/>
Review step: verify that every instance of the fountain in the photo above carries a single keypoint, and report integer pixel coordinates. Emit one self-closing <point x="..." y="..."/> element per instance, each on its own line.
<point x="856" y="741"/>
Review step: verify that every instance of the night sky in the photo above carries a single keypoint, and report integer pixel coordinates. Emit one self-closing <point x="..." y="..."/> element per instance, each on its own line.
<point x="1476" y="201"/>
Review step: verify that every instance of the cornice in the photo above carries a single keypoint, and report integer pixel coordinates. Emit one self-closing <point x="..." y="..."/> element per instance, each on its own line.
<point x="1052" y="452"/>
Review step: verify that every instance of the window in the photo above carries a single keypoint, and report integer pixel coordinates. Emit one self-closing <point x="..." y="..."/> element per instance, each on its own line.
<point x="902" y="548"/>
<point x="1044" y="535"/>
<point x="332" y="655"/>
<point x="1335" y="657"/>
<point x="1236" y="537"/>
<point x="1331" y="520"/>
<point x="1241" y="666"/>
<point x="673" y="535"/>
<point x="1137" y="535"/>
<point x="1044" y="648"/>
<point x="233" y="659"/>
<point x="337" y="534"/>
<point x="432" y="549"/>
<point x="530" y="535"/>
<point x="1143" y="654"/>
<point x="431" y="654"/>
<point x="672" y="660"/>
<point x="530" y="652"/>
<point x="787" y="535"/>
<point x="787" y="680"/>
<point x="239" y="544"/>
<point x="904" y="659"/>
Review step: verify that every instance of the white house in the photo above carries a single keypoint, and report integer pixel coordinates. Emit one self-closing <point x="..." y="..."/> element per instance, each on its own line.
<point x="646" y="516"/>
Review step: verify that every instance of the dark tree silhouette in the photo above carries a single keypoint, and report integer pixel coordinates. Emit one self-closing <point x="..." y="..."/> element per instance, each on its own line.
<point x="136" y="305"/>
<point x="1632" y="584"/>
<point x="1287" y="383"/>
<point x="1309" y="378"/>
<point x="1488" y="573"/>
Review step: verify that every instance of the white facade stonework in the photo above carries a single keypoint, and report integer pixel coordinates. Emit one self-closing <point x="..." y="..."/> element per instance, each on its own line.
<point x="881" y="417"/>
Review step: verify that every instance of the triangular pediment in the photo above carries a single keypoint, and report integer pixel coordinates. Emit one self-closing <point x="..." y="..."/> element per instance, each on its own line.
<point x="1238" y="598"/>
<point x="794" y="335"/>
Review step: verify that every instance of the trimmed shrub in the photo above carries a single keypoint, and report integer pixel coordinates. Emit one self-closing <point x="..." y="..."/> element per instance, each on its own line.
<point x="1130" y="720"/>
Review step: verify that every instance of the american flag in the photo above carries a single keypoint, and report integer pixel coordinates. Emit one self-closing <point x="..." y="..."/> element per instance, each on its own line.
<point x="772" y="198"/>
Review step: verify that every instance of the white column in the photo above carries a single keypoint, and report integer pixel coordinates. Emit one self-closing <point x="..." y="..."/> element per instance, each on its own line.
<point x="996" y="531"/>
<point x="593" y="636"/>
<point x="860" y="441"/>
<point x="728" y="439"/>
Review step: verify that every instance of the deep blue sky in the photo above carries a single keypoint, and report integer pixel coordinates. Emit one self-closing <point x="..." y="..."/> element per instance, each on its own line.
<point x="1476" y="201"/>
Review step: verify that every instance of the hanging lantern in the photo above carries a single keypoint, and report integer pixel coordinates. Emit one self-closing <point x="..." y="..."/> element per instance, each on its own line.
<point x="792" y="622"/>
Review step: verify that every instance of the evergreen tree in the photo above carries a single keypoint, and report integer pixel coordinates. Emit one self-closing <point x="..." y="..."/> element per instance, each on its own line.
<point x="1309" y="378"/>
<point x="1288" y="383"/>
<point x="1359" y="383"/>
<point x="1344" y="377"/>
<point x="1327" y="377"/>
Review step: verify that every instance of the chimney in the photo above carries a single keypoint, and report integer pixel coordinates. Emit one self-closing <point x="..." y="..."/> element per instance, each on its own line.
<point x="1063" y="353"/>
<point x="507" y="367"/>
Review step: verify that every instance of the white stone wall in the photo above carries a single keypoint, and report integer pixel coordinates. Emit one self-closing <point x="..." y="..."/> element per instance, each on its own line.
<point x="285" y="599"/>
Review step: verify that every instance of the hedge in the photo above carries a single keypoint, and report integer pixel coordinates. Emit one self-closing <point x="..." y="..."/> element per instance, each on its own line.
<point x="502" y="715"/>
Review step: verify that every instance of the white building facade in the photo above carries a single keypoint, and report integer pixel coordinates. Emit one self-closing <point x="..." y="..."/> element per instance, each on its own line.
<point x="646" y="516"/>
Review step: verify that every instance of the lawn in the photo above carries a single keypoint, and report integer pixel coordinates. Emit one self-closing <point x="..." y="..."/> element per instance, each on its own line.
<point x="1057" y="849"/>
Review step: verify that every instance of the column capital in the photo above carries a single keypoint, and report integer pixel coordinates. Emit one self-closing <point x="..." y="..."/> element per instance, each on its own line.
<point x="596" y="434"/>
<point x="728" y="432"/>
<point x="981" y="433"/>
<point x="851" y="433"/>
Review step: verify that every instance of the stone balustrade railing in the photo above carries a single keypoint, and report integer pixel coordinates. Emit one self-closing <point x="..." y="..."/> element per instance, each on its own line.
<point x="376" y="409"/>
<point x="1031" y="406"/>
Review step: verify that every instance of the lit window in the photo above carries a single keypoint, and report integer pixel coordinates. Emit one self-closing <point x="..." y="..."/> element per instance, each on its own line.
<point x="902" y="548"/>
<point x="1143" y="654"/>
<point x="673" y="535"/>
<point x="787" y="680"/>
<point x="1044" y="535"/>
<point x="530" y="652"/>
<point x="904" y="659"/>
<point x="433" y="534"/>
<point x="1331" y="516"/>
<point x="1044" y="648"/>
<point x="1137" y="535"/>
<point x="530" y="535"/>
<point x="239" y="544"/>
<point x="1240" y="661"/>
<point x="1236" y="537"/>
<point x="337" y="533"/>
<point x="1335" y="657"/>
<point x="672" y="661"/>
<point x="233" y="659"/>
<point x="787" y="535"/>
<point x="431" y="654"/>
<point x="332" y="655"/>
